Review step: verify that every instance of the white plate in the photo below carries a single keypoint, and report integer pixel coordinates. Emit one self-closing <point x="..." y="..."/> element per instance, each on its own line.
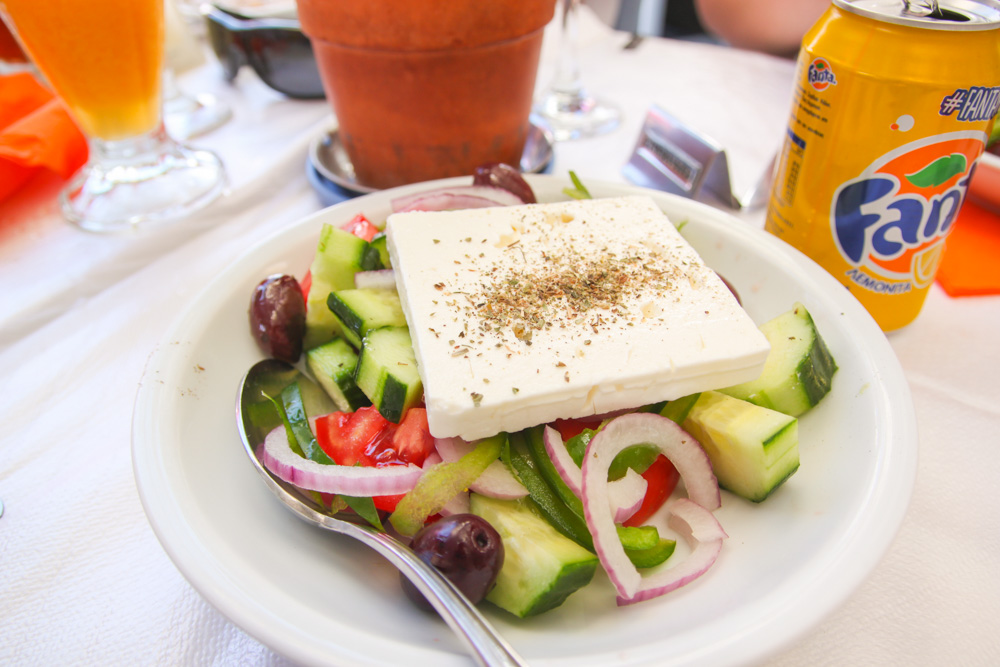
<point x="322" y="599"/>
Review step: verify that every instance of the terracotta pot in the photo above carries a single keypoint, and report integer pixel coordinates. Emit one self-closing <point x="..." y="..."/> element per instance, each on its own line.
<point x="426" y="89"/>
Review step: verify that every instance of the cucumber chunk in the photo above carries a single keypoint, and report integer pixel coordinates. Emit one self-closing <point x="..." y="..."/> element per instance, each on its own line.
<point x="362" y="310"/>
<point x="387" y="372"/>
<point x="752" y="449"/>
<point x="541" y="567"/>
<point x="333" y="365"/>
<point x="339" y="255"/>
<point x="799" y="368"/>
<point x="379" y="242"/>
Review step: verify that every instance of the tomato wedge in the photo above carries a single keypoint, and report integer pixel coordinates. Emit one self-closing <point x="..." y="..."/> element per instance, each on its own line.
<point x="661" y="479"/>
<point x="366" y="438"/>
<point x="305" y="284"/>
<point x="387" y="503"/>
<point x="569" y="428"/>
<point x="361" y="227"/>
<point x="349" y="437"/>
<point x="413" y="440"/>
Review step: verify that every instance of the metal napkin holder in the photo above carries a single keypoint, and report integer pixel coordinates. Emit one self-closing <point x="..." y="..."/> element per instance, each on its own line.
<point x="672" y="157"/>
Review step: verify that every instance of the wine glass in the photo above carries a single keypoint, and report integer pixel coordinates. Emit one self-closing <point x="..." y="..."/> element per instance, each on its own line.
<point x="569" y="110"/>
<point x="104" y="60"/>
<point x="186" y="116"/>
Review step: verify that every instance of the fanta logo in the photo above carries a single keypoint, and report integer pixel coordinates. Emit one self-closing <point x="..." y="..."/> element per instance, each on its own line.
<point x="820" y="74"/>
<point x="891" y="221"/>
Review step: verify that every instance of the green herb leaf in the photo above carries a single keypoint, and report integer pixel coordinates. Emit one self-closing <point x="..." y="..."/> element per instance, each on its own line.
<point x="579" y="190"/>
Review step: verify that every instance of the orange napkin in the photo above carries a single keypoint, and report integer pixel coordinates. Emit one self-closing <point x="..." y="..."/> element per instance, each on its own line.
<point x="971" y="262"/>
<point x="36" y="133"/>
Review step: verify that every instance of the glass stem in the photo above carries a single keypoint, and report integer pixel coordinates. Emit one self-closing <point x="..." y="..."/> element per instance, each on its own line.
<point x="567" y="77"/>
<point x="171" y="91"/>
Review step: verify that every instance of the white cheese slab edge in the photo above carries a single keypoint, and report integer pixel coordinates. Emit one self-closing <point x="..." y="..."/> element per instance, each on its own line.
<point x="659" y="339"/>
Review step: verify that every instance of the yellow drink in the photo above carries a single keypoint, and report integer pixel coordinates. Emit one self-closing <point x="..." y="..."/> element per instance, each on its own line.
<point x="103" y="58"/>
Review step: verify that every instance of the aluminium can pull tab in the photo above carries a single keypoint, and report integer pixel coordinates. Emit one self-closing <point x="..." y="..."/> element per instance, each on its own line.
<point x="921" y="8"/>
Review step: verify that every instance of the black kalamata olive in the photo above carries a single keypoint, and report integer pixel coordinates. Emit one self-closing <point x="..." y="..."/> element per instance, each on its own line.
<point x="731" y="288"/>
<point x="278" y="317"/>
<point x="466" y="549"/>
<point x="501" y="175"/>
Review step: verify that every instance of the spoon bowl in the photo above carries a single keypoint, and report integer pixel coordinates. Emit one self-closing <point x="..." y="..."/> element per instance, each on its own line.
<point x="267" y="378"/>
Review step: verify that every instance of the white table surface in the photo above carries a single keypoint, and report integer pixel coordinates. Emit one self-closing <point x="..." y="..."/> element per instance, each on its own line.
<point x="83" y="579"/>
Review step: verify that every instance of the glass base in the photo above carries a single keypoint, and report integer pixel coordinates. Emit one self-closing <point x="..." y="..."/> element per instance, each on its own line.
<point x="139" y="182"/>
<point x="576" y="114"/>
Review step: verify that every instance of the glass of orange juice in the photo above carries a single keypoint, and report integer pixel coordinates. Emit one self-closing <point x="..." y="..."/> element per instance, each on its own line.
<point x="104" y="60"/>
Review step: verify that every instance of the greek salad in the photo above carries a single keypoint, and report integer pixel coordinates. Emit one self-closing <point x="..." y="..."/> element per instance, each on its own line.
<point x="520" y="519"/>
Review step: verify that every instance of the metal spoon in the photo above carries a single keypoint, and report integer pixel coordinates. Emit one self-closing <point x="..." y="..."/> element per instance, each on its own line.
<point x="483" y="642"/>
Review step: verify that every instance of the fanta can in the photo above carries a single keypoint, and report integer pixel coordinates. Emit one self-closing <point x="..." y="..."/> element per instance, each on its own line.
<point x="891" y="111"/>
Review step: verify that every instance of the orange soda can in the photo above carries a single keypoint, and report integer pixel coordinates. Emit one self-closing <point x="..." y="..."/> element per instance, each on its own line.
<point x="891" y="112"/>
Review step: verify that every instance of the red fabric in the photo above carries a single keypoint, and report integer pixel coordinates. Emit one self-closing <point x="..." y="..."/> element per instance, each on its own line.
<point x="36" y="133"/>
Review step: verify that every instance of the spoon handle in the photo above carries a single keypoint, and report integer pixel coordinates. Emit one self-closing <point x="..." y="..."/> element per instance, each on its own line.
<point x="487" y="647"/>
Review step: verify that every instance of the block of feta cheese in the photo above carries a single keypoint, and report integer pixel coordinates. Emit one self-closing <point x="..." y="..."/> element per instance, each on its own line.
<point x="525" y="314"/>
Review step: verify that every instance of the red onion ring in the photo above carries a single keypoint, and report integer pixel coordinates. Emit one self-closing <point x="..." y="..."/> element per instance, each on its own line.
<point x="564" y="464"/>
<point x="702" y="531"/>
<point x="624" y="495"/>
<point x="286" y="465"/>
<point x="677" y="445"/>
<point x="457" y="197"/>
<point x="460" y="504"/>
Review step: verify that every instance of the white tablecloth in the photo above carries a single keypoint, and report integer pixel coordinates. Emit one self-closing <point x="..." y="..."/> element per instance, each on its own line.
<point x="83" y="579"/>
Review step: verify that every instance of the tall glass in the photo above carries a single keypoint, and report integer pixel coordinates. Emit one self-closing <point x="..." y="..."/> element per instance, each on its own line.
<point x="104" y="59"/>
<point x="186" y="116"/>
